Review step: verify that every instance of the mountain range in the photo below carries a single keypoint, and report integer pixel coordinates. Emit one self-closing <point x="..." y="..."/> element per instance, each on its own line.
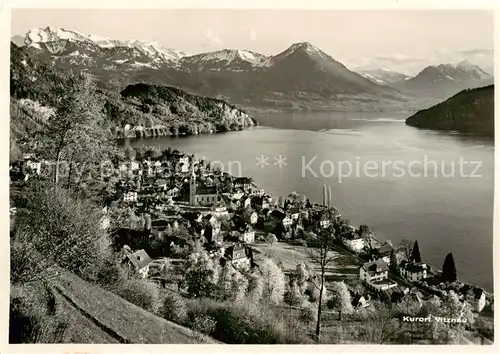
<point x="301" y="77"/>
<point x="444" y="80"/>
<point x="139" y="110"/>
<point x="412" y="65"/>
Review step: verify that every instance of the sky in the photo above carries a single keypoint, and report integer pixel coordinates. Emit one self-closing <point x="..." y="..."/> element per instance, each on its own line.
<point x="340" y="33"/>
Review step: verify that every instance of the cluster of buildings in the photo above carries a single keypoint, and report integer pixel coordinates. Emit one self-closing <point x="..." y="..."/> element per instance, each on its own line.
<point x="376" y="275"/>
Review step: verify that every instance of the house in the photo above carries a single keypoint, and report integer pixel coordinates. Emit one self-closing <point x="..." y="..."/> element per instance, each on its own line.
<point x="161" y="183"/>
<point x="287" y="221"/>
<point x="258" y="192"/>
<point x="294" y="213"/>
<point x="250" y="217"/>
<point x="35" y="166"/>
<point x="236" y="195"/>
<point x="324" y="223"/>
<point x="475" y="296"/>
<point x="278" y="215"/>
<point x="239" y="255"/>
<point x="384" y="252"/>
<point x="396" y="294"/>
<point x="212" y="228"/>
<point x="173" y="192"/>
<point x="220" y="209"/>
<point x="130" y="197"/>
<point x="139" y="261"/>
<point x="183" y="164"/>
<point x="281" y="217"/>
<point x="260" y="202"/>
<point x="355" y="244"/>
<point x="416" y="297"/>
<point x="134" y="166"/>
<point x="413" y="271"/>
<point x="244" y="183"/>
<point x="374" y="271"/>
<point x="246" y="202"/>
<point x="248" y="236"/>
<point x="359" y="301"/>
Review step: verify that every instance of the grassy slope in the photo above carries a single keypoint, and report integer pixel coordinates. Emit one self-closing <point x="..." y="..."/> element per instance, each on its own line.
<point x="345" y="265"/>
<point x="127" y="320"/>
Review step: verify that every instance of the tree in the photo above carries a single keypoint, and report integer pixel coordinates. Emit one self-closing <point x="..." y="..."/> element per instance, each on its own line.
<point x="307" y="315"/>
<point x="408" y="305"/>
<point x="449" y="270"/>
<point x="225" y="286"/>
<point x="173" y="308"/>
<point x="147" y="222"/>
<point x="451" y="307"/>
<point x="273" y="281"/>
<point x="255" y="287"/>
<point x="130" y="153"/>
<point x="322" y="257"/>
<point x="293" y="295"/>
<point x="239" y="287"/>
<point x="271" y="239"/>
<point x="341" y="226"/>
<point x="77" y="132"/>
<point x="380" y="327"/>
<point x="202" y="274"/>
<point x="302" y="274"/>
<point x="58" y="229"/>
<point x="393" y="265"/>
<point x="340" y="298"/>
<point x="407" y="246"/>
<point x="415" y="253"/>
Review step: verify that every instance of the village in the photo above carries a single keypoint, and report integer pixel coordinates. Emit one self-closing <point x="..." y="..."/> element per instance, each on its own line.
<point x="177" y="201"/>
<point x="180" y="200"/>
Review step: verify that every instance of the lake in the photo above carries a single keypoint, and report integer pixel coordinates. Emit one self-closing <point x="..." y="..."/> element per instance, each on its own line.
<point x="405" y="183"/>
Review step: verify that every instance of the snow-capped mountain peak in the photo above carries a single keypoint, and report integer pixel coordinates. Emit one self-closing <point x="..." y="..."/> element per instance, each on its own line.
<point x="50" y="34"/>
<point x="36" y="36"/>
<point x="303" y="46"/>
<point x="232" y="59"/>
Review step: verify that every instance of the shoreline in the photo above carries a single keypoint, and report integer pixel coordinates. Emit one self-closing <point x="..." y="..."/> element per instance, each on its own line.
<point x="275" y="197"/>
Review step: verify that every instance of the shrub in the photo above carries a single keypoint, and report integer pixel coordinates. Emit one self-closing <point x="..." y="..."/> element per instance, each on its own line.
<point x="32" y="315"/>
<point x="24" y="265"/>
<point x="140" y="292"/>
<point x="303" y="243"/>
<point x="243" y="323"/>
<point x="108" y="273"/>
<point x="173" y="308"/>
<point x="204" y="324"/>
<point x="293" y="296"/>
<point x="307" y="315"/>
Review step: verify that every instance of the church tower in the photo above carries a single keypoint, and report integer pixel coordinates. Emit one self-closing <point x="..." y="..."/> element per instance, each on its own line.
<point x="192" y="187"/>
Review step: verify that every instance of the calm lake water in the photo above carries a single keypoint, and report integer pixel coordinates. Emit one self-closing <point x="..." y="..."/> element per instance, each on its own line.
<point x="404" y="182"/>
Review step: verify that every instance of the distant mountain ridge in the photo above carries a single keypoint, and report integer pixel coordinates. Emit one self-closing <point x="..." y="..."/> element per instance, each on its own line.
<point x="301" y="77"/>
<point x="470" y="111"/>
<point x="384" y="76"/>
<point x="445" y="80"/>
<point x="140" y="110"/>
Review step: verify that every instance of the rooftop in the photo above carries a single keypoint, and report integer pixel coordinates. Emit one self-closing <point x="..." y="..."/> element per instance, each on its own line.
<point x="377" y="266"/>
<point x="139" y="259"/>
